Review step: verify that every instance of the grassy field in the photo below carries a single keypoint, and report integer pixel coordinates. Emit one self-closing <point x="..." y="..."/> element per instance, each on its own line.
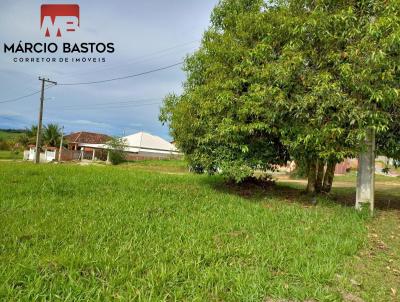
<point x="373" y="274"/>
<point x="10" y="155"/>
<point x="6" y="135"/>
<point x="9" y="136"/>
<point x="151" y="232"/>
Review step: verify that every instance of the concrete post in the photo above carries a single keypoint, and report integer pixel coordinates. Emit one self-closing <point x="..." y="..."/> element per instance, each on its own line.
<point x="94" y="154"/>
<point x="61" y="145"/>
<point x="108" y="157"/>
<point x="366" y="174"/>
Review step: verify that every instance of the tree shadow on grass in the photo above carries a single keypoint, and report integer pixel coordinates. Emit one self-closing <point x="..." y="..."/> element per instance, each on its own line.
<point x="387" y="198"/>
<point x="261" y="192"/>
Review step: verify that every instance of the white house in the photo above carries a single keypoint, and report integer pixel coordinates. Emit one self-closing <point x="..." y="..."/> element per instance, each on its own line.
<point x="141" y="145"/>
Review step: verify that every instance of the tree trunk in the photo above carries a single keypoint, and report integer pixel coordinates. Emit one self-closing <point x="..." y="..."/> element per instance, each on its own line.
<point x="329" y="174"/>
<point x="320" y="175"/>
<point x="312" y="175"/>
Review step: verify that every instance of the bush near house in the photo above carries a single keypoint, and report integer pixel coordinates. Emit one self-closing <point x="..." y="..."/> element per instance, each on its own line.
<point x="4" y="144"/>
<point x="9" y="139"/>
<point x="116" y="153"/>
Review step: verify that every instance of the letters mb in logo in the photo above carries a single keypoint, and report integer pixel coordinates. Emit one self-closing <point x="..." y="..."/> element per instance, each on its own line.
<point x="58" y="19"/>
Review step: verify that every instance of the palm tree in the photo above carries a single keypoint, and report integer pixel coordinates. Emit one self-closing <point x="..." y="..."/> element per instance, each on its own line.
<point x="31" y="132"/>
<point x="52" y="135"/>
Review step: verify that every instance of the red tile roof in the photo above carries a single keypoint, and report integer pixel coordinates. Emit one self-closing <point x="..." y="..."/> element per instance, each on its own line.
<point x="87" y="137"/>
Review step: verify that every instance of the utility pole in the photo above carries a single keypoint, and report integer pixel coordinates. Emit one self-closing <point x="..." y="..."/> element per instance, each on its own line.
<point x="61" y="144"/>
<point x="39" y="128"/>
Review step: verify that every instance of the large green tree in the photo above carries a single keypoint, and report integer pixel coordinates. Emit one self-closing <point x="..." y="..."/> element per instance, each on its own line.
<point x="349" y="72"/>
<point x="305" y="78"/>
<point x="217" y="122"/>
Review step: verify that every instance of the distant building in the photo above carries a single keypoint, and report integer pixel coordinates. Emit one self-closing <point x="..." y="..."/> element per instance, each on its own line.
<point x="94" y="146"/>
<point x="139" y="146"/>
<point x="77" y="138"/>
<point x="145" y="144"/>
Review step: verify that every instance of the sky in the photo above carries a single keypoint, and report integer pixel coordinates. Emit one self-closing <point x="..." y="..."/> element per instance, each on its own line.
<point x="147" y="35"/>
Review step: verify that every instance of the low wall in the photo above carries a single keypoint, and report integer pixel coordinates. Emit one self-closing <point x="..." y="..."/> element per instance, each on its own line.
<point x="68" y="155"/>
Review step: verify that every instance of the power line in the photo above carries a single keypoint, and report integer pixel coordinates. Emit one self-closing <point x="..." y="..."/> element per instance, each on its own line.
<point x="111" y="107"/>
<point x="24" y="96"/>
<point x="101" y="105"/>
<point x="135" y="60"/>
<point x="92" y="82"/>
<point x="121" y="78"/>
<point x="108" y="80"/>
<point x="19" y="98"/>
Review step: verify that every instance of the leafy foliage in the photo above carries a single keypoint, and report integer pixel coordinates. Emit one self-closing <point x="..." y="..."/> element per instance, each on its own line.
<point x="116" y="151"/>
<point x="52" y="135"/>
<point x="4" y="144"/>
<point x="305" y="78"/>
<point x="29" y="136"/>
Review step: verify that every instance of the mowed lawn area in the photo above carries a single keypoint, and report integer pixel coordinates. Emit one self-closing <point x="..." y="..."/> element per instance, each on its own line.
<point x="152" y="232"/>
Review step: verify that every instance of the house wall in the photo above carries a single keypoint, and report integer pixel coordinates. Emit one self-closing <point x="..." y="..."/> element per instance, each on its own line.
<point x="342" y="167"/>
<point x="51" y="155"/>
<point x="31" y="154"/>
<point x="68" y="155"/>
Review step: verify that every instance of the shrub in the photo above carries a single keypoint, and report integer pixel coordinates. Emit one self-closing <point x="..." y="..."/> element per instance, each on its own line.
<point x="117" y="154"/>
<point x="4" y="144"/>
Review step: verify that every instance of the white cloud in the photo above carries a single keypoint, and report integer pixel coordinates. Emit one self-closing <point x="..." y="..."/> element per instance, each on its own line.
<point x="88" y="123"/>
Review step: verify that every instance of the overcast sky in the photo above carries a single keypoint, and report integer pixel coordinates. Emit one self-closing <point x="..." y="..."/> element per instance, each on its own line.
<point x="147" y="35"/>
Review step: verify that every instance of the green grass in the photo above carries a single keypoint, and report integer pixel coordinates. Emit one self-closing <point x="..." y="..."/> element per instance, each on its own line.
<point x="376" y="268"/>
<point x="6" y="135"/>
<point x="373" y="274"/>
<point x="167" y="165"/>
<point x="10" y="155"/>
<point x="351" y="177"/>
<point x="126" y="233"/>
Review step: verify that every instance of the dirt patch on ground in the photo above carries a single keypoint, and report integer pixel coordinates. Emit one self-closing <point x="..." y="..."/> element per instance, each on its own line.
<point x="377" y="266"/>
<point x="387" y="194"/>
<point x="339" y="184"/>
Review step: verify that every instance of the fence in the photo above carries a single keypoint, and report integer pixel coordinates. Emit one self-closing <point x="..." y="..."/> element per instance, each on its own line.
<point x="31" y="154"/>
<point x="68" y="155"/>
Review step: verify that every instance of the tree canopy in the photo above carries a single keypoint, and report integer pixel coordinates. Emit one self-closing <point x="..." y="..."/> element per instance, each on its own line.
<point x="51" y="135"/>
<point x="289" y="79"/>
